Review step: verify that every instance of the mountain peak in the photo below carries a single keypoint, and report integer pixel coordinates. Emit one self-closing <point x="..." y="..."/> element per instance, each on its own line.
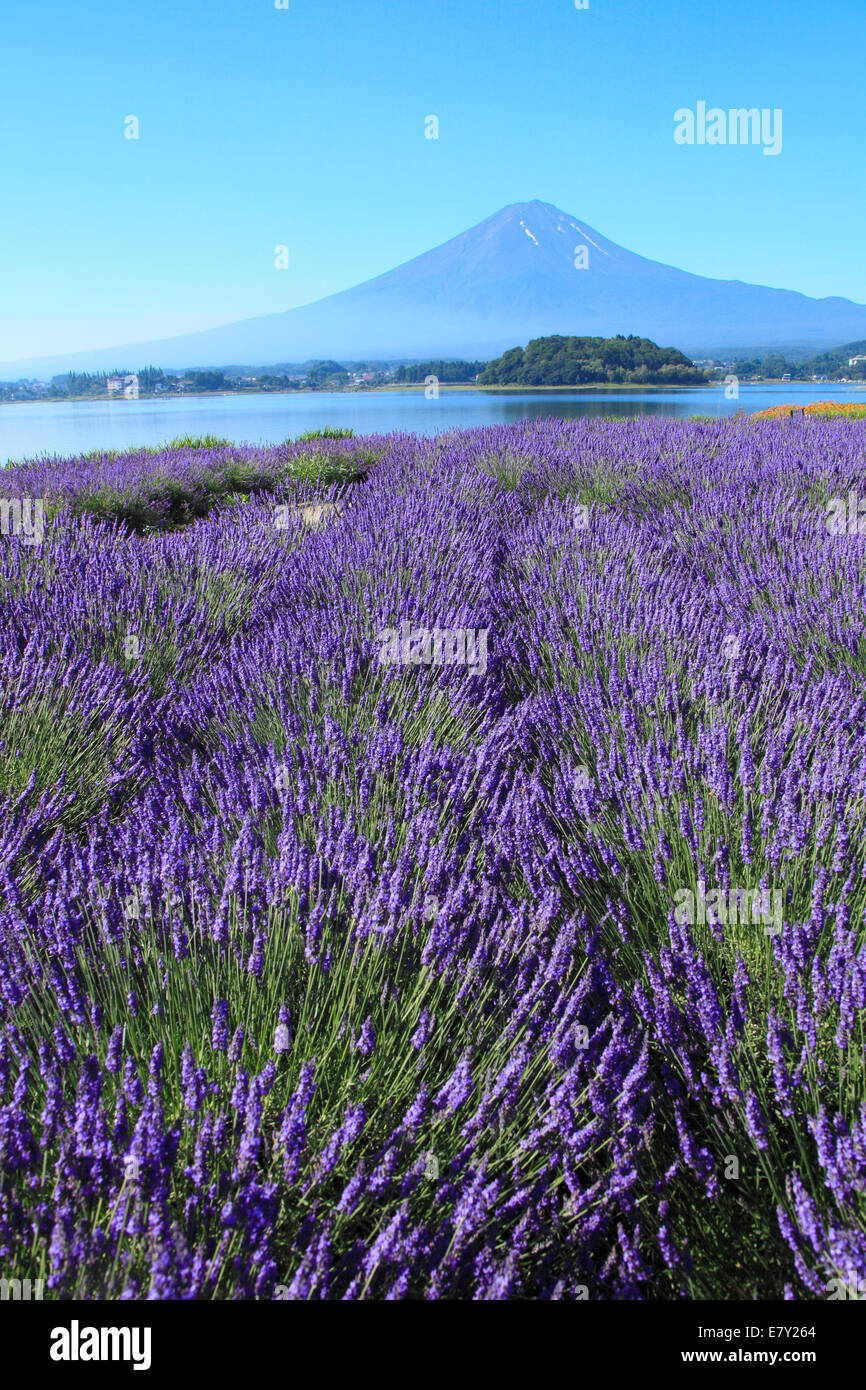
<point x="531" y="206"/>
<point x="548" y="212"/>
<point x="527" y="271"/>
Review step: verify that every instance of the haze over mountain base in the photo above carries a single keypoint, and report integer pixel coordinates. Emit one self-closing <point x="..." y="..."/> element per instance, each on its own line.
<point x="528" y="271"/>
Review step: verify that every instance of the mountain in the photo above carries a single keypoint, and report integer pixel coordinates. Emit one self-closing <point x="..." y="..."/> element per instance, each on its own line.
<point x="511" y="278"/>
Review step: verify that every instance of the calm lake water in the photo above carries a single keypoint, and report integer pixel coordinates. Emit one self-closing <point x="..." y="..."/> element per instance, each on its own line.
<point x="28" y="429"/>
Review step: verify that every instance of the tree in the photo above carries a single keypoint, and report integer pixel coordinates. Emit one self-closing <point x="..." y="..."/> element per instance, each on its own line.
<point x="561" y="361"/>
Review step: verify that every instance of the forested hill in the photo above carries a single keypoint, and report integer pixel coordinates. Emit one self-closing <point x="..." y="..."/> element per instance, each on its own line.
<point x="560" y="361"/>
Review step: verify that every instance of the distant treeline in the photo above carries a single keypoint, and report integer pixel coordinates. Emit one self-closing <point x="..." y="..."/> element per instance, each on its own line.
<point x="75" y="385"/>
<point x="443" y="371"/>
<point x="559" y="361"/>
<point x="149" y="379"/>
<point x="152" y="381"/>
<point x="833" y="363"/>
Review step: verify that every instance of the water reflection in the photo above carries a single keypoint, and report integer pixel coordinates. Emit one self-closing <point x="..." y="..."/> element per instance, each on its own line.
<point x="73" y="427"/>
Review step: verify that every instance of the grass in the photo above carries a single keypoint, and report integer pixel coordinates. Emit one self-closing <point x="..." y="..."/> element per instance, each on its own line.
<point x="161" y="501"/>
<point x="45" y="738"/>
<point x="329" y="432"/>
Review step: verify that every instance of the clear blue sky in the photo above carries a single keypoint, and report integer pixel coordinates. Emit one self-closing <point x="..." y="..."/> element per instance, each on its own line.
<point x="305" y="127"/>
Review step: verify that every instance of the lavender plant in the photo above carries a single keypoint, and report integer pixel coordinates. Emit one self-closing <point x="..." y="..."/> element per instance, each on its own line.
<point x="325" y="976"/>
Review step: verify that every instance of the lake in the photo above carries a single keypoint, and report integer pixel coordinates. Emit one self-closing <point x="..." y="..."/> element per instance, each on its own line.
<point x="28" y="429"/>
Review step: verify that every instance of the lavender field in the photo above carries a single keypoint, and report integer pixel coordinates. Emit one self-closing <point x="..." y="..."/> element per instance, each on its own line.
<point x="452" y="893"/>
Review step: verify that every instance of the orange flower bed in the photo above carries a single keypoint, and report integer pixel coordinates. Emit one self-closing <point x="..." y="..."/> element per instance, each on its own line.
<point x="826" y="410"/>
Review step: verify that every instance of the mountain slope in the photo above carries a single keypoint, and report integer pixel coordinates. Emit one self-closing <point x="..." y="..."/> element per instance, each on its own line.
<point x="510" y="278"/>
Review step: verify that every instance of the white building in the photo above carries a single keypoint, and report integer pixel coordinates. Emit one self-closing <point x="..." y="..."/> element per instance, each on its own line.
<point x="127" y="384"/>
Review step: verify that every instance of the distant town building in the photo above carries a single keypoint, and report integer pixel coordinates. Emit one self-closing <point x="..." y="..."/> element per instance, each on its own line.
<point x="127" y="384"/>
<point x="853" y="361"/>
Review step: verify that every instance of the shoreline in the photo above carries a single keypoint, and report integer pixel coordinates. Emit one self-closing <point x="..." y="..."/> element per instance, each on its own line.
<point x="607" y="387"/>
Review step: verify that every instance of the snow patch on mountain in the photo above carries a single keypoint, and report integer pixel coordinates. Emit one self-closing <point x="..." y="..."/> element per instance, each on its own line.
<point x="582" y="233"/>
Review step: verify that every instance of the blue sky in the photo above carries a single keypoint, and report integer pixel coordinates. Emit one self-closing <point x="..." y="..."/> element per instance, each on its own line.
<point x="305" y="127"/>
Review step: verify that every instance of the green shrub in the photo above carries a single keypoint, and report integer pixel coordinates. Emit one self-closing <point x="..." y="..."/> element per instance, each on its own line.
<point x="329" y="432"/>
<point x="197" y="441"/>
